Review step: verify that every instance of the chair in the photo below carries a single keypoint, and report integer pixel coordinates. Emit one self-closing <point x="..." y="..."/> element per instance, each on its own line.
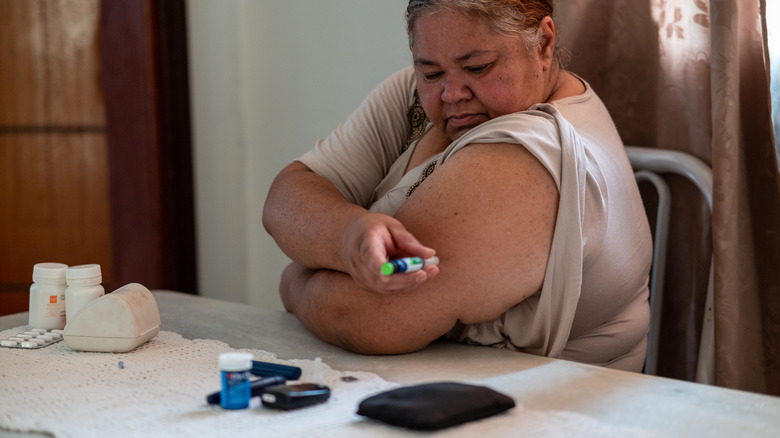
<point x="649" y="164"/>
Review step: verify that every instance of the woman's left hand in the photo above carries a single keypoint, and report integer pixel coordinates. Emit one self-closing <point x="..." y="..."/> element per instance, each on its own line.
<point x="370" y="241"/>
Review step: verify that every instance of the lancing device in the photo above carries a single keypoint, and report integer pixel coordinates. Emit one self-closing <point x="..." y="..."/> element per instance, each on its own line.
<point x="407" y="264"/>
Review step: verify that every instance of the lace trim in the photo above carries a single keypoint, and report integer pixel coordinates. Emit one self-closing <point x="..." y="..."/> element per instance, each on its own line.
<point x="417" y="120"/>
<point x="425" y="174"/>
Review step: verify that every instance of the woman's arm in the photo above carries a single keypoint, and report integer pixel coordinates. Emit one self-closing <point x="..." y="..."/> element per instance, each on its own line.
<point x="318" y="219"/>
<point x="490" y="211"/>
<point x="318" y="228"/>
<point x="355" y="320"/>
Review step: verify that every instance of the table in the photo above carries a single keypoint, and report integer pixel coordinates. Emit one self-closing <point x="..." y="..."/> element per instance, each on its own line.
<point x="664" y="406"/>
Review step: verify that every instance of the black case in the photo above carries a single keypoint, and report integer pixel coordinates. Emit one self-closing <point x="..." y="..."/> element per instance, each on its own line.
<point x="433" y="406"/>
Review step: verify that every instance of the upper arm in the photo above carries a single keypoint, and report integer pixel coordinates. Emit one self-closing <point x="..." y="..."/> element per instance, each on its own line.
<point x="489" y="211"/>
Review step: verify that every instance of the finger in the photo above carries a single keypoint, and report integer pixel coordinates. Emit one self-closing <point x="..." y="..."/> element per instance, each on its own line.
<point x="432" y="271"/>
<point x="401" y="283"/>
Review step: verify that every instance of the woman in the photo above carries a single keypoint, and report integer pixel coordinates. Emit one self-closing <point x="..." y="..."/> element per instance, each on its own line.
<point x="509" y="166"/>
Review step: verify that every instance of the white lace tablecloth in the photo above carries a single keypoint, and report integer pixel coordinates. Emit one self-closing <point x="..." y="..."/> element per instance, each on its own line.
<point x="160" y="388"/>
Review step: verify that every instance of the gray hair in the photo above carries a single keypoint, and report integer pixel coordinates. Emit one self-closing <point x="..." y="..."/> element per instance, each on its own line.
<point x="521" y="18"/>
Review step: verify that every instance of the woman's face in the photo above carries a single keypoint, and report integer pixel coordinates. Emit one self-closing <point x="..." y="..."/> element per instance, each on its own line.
<point x="467" y="74"/>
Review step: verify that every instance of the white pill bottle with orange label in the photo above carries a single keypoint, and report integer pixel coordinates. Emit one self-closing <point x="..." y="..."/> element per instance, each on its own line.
<point x="47" y="296"/>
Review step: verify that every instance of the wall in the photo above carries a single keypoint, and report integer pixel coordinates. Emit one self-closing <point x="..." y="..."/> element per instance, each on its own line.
<point x="268" y="78"/>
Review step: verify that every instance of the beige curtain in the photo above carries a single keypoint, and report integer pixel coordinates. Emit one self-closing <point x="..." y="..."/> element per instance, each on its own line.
<point x="690" y="75"/>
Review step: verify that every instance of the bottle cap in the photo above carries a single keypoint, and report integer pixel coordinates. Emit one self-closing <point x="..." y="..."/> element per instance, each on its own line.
<point x="49" y="271"/>
<point x="84" y="274"/>
<point x="235" y="361"/>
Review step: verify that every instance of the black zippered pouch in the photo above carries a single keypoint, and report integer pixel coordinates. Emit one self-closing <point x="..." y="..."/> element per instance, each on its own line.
<point x="434" y="406"/>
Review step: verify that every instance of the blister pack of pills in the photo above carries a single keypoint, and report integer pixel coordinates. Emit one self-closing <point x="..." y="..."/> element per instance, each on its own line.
<point x="33" y="338"/>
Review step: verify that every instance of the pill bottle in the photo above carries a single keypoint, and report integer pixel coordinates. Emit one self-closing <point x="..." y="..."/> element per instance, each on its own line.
<point x="83" y="287"/>
<point x="235" y="369"/>
<point x="47" y="296"/>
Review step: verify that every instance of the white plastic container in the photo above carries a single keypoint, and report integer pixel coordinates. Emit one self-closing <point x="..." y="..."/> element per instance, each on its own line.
<point x="47" y="296"/>
<point x="116" y="322"/>
<point x="84" y="286"/>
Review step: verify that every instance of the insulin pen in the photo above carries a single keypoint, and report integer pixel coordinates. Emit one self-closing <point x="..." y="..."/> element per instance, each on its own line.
<point x="407" y="264"/>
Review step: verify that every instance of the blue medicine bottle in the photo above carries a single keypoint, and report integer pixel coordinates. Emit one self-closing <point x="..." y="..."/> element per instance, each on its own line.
<point x="235" y="369"/>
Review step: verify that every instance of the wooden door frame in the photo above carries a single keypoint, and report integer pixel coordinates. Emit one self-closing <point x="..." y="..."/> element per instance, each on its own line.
<point x="143" y="48"/>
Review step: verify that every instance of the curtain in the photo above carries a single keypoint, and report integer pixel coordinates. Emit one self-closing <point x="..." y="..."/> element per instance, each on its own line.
<point x="692" y="75"/>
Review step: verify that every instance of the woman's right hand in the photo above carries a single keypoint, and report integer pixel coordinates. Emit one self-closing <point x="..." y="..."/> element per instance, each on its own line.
<point x="371" y="240"/>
